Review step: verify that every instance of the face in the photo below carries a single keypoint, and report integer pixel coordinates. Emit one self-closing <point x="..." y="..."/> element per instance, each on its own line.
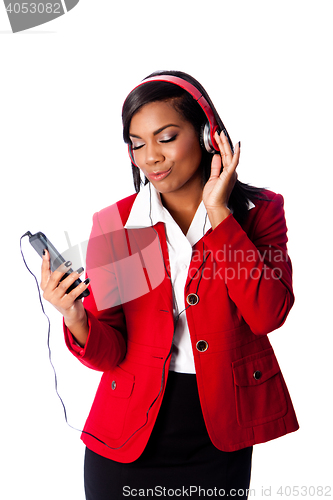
<point x="165" y="147"/>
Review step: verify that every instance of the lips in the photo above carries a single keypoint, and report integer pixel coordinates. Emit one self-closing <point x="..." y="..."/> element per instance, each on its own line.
<point x="158" y="176"/>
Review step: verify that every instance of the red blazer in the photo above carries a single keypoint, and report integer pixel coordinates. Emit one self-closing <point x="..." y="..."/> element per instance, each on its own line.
<point x="242" y="277"/>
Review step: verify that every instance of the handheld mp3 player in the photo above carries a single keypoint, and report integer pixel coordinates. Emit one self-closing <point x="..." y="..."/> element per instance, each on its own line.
<point x="40" y="243"/>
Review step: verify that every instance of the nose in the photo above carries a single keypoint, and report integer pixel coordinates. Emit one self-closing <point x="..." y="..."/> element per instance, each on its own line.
<point x="153" y="153"/>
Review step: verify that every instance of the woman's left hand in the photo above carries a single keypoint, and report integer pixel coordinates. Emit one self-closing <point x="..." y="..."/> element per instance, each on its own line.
<point x="217" y="190"/>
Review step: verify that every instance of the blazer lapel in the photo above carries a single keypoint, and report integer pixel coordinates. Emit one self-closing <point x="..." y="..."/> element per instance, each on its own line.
<point x="151" y="245"/>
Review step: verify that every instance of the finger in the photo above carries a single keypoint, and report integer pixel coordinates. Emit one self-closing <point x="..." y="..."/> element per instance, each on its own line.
<point x="235" y="159"/>
<point x="46" y="270"/>
<point x="56" y="275"/>
<point x="215" y="168"/>
<point x="67" y="300"/>
<point x="70" y="297"/>
<point x="231" y="167"/>
<point x="224" y="147"/>
<point x="62" y="286"/>
<point x="55" y="278"/>
<point x="56" y="290"/>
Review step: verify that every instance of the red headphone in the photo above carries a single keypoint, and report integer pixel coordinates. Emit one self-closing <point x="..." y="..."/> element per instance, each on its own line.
<point x="207" y="133"/>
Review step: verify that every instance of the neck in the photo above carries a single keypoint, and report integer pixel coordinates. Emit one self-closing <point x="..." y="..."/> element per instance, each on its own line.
<point x="183" y="204"/>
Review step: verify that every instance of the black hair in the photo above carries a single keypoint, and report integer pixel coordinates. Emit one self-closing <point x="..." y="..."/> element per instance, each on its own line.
<point x="192" y="112"/>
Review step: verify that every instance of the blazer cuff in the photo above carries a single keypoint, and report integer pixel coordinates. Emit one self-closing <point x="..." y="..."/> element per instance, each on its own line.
<point x="222" y="232"/>
<point x="71" y="343"/>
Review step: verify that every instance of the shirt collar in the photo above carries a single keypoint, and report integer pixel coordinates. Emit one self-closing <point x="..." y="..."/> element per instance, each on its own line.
<point x="148" y="210"/>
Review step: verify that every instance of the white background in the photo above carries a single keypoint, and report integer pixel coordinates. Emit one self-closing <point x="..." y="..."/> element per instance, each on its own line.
<point x="268" y="69"/>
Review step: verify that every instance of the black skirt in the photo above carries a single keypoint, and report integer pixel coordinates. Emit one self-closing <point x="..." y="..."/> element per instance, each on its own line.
<point x="179" y="459"/>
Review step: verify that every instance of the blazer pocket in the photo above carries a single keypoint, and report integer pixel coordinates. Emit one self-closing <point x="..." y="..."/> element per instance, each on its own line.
<point x="112" y="401"/>
<point x="259" y="393"/>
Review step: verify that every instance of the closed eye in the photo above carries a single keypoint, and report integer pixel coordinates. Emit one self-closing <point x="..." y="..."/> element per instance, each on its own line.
<point x="169" y="140"/>
<point x="134" y="148"/>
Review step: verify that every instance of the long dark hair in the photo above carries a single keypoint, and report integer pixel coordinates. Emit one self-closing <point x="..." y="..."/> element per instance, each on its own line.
<point x="184" y="103"/>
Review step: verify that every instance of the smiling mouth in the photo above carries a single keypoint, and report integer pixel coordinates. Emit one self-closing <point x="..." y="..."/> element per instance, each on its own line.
<point x="158" y="176"/>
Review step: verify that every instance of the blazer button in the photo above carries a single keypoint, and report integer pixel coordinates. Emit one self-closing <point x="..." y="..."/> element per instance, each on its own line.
<point x="257" y="374"/>
<point x="113" y="385"/>
<point x="202" y="345"/>
<point x="192" y="299"/>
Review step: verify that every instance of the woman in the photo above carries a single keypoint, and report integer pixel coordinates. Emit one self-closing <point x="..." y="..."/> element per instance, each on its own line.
<point x="187" y="278"/>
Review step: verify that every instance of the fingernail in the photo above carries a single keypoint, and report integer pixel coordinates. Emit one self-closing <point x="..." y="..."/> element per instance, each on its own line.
<point x="80" y="270"/>
<point x="225" y="133"/>
<point x="87" y="281"/>
<point x="239" y="144"/>
<point x="44" y="251"/>
<point x="68" y="263"/>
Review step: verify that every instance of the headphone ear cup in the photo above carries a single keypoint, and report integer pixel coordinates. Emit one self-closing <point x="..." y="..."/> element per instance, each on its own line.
<point x="205" y="138"/>
<point x="201" y="140"/>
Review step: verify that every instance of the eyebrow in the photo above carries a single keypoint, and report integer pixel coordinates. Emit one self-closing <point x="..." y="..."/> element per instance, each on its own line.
<point x="158" y="130"/>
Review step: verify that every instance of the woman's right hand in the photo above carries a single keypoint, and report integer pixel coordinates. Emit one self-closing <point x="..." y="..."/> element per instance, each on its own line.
<point x="54" y="291"/>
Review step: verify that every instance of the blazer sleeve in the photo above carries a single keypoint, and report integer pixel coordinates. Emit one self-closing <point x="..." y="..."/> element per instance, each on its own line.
<point x="256" y="269"/>
<point x="105" y="346"/>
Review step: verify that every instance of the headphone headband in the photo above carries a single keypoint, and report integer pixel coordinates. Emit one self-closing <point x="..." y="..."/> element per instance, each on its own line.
<point x="211" y="127"/>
